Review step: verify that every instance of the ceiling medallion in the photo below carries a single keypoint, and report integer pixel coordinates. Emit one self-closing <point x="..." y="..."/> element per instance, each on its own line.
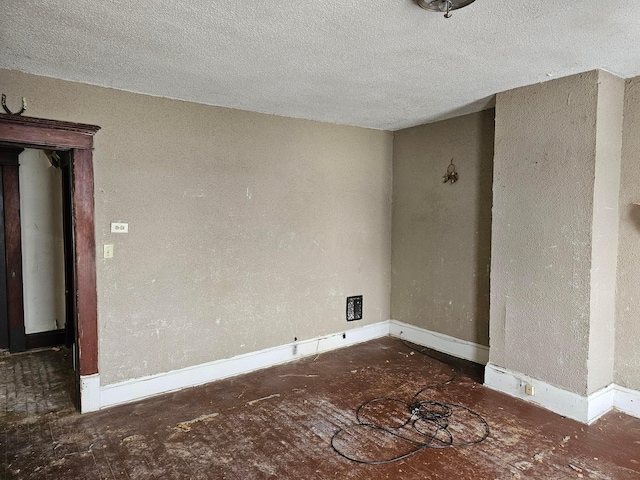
<point x="445" y="6"/>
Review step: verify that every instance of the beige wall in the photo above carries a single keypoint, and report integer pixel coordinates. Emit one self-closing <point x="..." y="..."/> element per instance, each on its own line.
<point x="541" y="248"/>
<point x="245" y="230"/>
<point x="248" y="230"/>
<point x="554" y="223"/>
<point x="42" y="243"/>
<point x="604" y="245"/>
<point x="628" y="290"/>
<point x="442" y="232"/>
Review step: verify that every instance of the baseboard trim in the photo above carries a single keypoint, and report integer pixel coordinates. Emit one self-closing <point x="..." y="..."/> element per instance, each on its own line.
<point x="440" y="342"/>
<point x="93" y="397"/>
<point x="552" y="398"/>
<point x="627" y="401"/>
<point x="139" y="388"/>
<point x="584" y="409"/>
<point x="600" y="402"/>
<point x="89" y="393"/>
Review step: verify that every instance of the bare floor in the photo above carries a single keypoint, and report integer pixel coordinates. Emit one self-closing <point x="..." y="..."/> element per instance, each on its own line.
<point x="279" y="422"/>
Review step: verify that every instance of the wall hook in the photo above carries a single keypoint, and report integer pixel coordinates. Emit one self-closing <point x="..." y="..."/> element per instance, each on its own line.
<point x="451" y="175"/>
<point x="6" y="109"/>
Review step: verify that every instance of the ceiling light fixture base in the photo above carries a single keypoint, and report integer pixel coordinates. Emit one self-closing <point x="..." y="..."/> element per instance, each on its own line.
<point x="445" y="6"/>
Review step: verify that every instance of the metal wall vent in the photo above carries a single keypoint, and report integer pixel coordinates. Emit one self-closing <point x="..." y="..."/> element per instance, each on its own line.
<point x="354" y="308"/>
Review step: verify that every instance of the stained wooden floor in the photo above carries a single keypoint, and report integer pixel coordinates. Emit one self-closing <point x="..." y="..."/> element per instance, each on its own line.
<point x="278" y="423"/>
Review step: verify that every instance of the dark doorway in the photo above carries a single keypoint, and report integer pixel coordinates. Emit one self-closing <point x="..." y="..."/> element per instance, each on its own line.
<point x="36" y="250"/>
<point x="74" y="142"/>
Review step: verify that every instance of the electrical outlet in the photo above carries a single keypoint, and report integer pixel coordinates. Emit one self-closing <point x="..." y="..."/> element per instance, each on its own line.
<point x="119" y="228"/>
<point x="529" y="390"/>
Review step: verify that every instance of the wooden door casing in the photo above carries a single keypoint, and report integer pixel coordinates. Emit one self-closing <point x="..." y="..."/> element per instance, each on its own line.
<point x="77" y="139"/>
<point x="13" y="248"/>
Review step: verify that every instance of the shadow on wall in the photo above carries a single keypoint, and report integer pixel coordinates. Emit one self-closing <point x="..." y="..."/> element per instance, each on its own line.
<point x="634" y="215"/>
<point x="485" y="202"/>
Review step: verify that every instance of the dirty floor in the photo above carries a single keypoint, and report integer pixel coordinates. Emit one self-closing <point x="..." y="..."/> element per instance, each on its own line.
<point x="279" y="423"/>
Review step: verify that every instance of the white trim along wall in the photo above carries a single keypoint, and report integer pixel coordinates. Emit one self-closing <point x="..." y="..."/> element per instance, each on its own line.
<point x="152" y="385"/>
<point x="583" y="409"/>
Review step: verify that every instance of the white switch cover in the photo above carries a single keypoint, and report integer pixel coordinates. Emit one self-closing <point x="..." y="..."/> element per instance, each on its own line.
<point x="108" y="251"/>
<point x="119" y="228"/>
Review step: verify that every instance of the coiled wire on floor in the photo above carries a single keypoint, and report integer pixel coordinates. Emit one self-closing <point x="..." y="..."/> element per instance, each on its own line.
<point x="409" y="427"/>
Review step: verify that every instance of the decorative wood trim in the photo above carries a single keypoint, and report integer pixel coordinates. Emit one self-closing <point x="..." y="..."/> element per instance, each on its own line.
<point x="4" y="319"/>
<point x="85" y="258"/>
<point x="13" y="244"/>
<point x="64" y="136"/>
<point x="38" y="132"/>
<point x="69" y="249"/>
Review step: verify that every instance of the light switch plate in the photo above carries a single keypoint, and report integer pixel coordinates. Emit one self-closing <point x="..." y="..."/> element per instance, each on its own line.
<point x="119" y="228"/>
<point x="108" y="251"/>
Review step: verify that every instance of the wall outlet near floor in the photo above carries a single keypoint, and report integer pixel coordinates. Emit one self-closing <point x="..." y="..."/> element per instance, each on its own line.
<point x="529" y="390"/>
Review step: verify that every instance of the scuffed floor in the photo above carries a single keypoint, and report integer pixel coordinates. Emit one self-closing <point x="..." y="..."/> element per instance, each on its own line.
<point x="278" y="423"/>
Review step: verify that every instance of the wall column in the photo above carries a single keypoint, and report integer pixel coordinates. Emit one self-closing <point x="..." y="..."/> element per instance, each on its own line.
<point x="554" y="241"/>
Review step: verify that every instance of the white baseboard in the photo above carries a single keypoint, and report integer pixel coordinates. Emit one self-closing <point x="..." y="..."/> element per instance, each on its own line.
<point x="89" y="393"/>
<point x="139" y="388"/>
<point x="552" y="398"/>
<point x="600" y="402"/>
<point x="627" y="401"/>
<point x="585" y="409"/>
<point x="440" y="342"/>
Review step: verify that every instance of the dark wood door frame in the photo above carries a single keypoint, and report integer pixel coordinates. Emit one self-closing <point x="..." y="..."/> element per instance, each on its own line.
<point x="69" y="250"/>
<point x="4" y="312"/>
<point x="12" y="251"/>
<point x="77" y="139"/>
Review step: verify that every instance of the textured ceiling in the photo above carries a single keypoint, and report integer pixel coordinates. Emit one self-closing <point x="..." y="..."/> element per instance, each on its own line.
<point x="384" y="65"/>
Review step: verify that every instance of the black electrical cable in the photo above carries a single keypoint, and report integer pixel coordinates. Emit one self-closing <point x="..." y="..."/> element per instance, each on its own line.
<point x="420" y="417"/>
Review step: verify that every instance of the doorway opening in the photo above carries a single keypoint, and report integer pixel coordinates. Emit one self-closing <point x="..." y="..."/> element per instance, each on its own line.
<point x="35" y="235"/>
<point x="74" y="322"/>
<point x="35" y="240"/>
